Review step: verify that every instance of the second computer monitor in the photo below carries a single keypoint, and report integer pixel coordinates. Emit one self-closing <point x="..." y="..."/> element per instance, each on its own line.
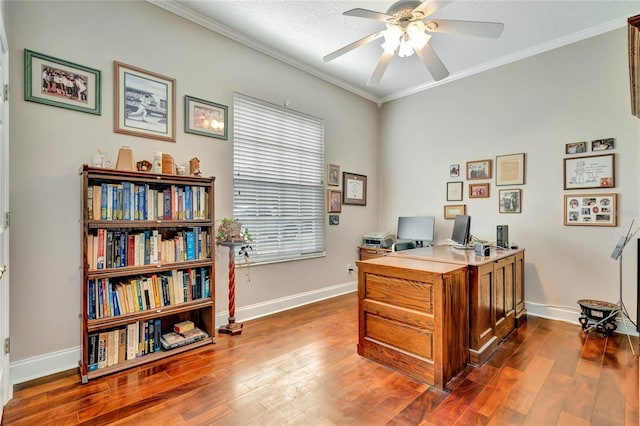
<point x="461" y="231"/>
<point x="420" y="229"/>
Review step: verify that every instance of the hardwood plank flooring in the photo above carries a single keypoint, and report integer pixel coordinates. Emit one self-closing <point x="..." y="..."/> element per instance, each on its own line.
<point x="300" y="367"/>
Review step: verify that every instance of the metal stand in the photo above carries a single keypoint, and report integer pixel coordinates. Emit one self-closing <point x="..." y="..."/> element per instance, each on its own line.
<point x="232" y="327"/>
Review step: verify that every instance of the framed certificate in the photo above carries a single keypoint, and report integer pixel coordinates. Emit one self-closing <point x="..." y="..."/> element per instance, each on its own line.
<point x="354" y="189"/>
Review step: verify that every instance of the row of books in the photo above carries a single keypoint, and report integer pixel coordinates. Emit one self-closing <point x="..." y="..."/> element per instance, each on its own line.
<point x="117" y="249"/>
<point x="108" y="348"/>
<point x="110" y="297"/>
<point x="113" y="347"/>
<point x="128" y="201"/>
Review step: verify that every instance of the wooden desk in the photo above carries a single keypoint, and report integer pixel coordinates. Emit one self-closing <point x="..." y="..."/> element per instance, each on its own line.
<point x="413" y="316"/>
<point x="368" y="252"/>
<point x="496" y="293"/>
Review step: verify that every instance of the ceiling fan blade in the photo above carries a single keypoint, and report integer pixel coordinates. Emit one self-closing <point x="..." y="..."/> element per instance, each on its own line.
<point x="368" y="14"/>
<point x="378" y="72"/>
<point x="431" y="6"/>
<point x="433" y="63"/>
<point x="472" y="28"/>
<point x="350" y="47"/>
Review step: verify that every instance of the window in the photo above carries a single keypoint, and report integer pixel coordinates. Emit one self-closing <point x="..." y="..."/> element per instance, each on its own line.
<point x="278" y="186"/>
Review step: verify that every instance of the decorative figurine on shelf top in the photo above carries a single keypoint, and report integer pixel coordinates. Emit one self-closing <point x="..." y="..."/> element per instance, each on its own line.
<point x="144" y="166"/>
<point x="194" y="167"/>
<point x="231" y="231"/>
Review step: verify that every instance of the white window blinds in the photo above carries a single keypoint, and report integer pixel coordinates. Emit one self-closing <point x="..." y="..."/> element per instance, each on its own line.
<point x="278" y="186"/>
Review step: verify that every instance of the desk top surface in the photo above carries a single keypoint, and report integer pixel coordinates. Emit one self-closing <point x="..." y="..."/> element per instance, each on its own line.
<point x="449" y="254"/>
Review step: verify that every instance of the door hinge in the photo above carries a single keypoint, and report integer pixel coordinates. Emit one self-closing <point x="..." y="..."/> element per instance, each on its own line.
<point x="7" y="219"/>
<point x="5" y="92"/>
<point x="7" y="345"/>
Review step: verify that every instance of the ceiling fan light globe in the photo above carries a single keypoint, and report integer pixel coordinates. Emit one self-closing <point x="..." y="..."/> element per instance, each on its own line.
<point x="391" y="39"/>
<point x="406" y="48"/>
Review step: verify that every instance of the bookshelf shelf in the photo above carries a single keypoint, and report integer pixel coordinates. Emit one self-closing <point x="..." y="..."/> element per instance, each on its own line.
<point x="147" y="264"/>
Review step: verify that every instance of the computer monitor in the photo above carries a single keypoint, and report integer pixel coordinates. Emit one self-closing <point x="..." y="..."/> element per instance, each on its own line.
<point x="420" y="229"/>
<point x="461" y="231"/>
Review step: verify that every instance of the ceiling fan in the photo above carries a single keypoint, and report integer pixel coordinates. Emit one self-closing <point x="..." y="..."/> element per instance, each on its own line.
<point x="408" y="30"/>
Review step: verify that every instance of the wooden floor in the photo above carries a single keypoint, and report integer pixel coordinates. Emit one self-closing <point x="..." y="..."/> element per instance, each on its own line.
<point x="300" y="367"/>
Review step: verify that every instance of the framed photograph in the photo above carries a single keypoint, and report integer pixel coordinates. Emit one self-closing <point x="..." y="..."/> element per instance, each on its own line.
<point x="596" y="171"/>
<point x="450" y="212"/>
<point x="144" y="103"/>
<point x="510" y="201"/>
<point x="576" y="148"/>
<point x="478" y="190"/>
<point x="602" y="145"/>
<point x="454" y="191"/>
<point x="454" y="170"/>
<point x="480" y="169"/>
<point x="590" y="209"/>
<point x="60" y="83"/>
<point x="510" y="169"/>
<point x="354" y="189"/>
<point x="333" y="175"/>
<point x="334" y="198"/>
<point x="334" y="219"/>
<point x="205" y="118"/>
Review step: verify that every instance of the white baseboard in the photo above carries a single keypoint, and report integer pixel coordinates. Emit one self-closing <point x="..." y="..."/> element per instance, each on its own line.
<point x="67" y="359"/>
<point x="571" y="315"/>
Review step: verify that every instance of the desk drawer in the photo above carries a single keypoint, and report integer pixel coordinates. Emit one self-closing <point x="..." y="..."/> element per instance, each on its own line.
<point x="414" y="340"/>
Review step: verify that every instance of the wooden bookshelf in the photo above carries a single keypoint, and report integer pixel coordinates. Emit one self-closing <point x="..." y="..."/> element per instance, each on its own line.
<point x="147" y="254"/>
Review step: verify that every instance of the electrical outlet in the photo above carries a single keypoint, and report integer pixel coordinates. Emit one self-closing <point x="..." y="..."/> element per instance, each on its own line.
<point x="349" y="267"/>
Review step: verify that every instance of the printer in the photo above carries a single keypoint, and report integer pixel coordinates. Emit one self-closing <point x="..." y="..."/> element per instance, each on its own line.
<point x="378" y="239"/>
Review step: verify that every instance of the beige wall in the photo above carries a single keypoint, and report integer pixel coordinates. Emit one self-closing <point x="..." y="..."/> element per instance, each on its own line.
<point x="49" y="144"/>
<point x="535" y="106"/>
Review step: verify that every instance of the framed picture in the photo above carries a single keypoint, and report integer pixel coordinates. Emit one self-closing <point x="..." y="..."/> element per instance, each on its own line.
<point x="602" y="145"/>
<point x="510" y="169"/>
<point x="334" y="204"/>
<point x="510" y="201"/>
<point x="590" y="209"/>
<point x="450" y="212"/>
<point x="596" y="171"/>
<point x="454" y="170"/>
<point x="334" y="219"/>
<point x="144" y="103"/>
<point x="60" y="83"/>
<point x="205" y="118"/>
<point x="354" y="189"/>
<point x="333" y="175"/>
<point x="454" y="191"/>
<point x="480" y="169"/>
<point x="576" y="148"/>
<point x="478" y="190"/>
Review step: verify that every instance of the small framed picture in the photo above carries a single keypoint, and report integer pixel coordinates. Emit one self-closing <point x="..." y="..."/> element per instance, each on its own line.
<point x="144" y="103"/>
<point x="594" y="171"/>
<point x="510" y="201"/>
<point x="454" y="170"/>
<point x="480" y="169"/>
<point x="510" y="169"/>
<point x="590" y="210"/>
<point x="333" y="175"/>
<point x="334" y="219"/>
<point x="602" y="145"/>
<point x="354" y="189"/>
<point x="454" y="191"/>
<point x="334" y="198"/>
<point x="478" y="190"/>
<point x="205" y="118"/>
<point x="576" y="148"/>
<point x="60" y="83"/>
<point x="450" y="212"/>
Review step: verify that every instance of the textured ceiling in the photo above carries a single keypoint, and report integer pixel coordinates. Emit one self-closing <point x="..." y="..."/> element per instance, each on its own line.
<point x="302" y="32"/>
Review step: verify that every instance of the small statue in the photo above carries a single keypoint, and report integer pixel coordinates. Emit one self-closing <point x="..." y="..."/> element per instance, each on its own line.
<point x="143" y="166"/>
<point x="194" y="167"/>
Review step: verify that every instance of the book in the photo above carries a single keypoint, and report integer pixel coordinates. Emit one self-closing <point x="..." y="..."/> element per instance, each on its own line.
<point x="174" y="340"/>
<point x="132" y="340"/>
<point x="158" y="333"/>
<point x="93" y="352"/>
<point x="122" y="344"/>
<point x="183" y="327"/>
<point x="102" y="350"/>
<point x="101" y="248"/>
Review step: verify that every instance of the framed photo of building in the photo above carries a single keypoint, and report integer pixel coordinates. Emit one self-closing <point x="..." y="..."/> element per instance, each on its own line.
<point x="354" y="189"/>
<point x="60" y="83"/>
<point x="205" y="118"/>
<point x="510" y="201"/>
<point x="480" y="169"/>
<point x="595" y="171"/>
<point x="590" y="209"/>
<point x="144" y="103"/>
<point x="510" y="169"/>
